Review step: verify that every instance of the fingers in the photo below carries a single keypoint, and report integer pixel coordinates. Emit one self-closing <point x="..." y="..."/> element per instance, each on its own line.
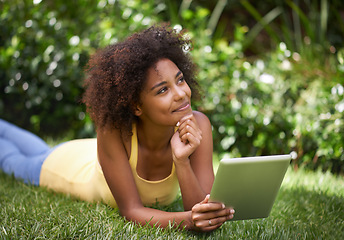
<point x="206" y="227"/>
<point x="210" y="224"/>
<point x="189" y="131"/>
<point x="208" y="216"/>
<point x="187" y="139"/>
<point x="210" y="210"/>
<point x="190" y="139"/>
<point x="212" y="221"/>
<point x="206" y="199"/>
<point x="188" y="120"/>
<point x="205" y="206"/>
<point x="225" y="214"/>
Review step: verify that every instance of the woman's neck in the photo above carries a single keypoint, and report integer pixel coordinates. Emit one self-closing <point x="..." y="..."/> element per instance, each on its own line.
<point x="154" y="137"/>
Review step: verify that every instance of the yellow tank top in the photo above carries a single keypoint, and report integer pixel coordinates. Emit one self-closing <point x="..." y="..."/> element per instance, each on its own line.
<point x="73" y="168"/>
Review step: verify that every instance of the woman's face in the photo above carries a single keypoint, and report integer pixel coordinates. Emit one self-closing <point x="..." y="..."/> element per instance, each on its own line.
<point x="166" y="96"/>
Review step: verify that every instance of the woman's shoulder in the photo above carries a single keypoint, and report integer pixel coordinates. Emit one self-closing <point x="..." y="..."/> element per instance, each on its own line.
<point x="199" y="114"/>
<point x="114" y="133"/>
<point x="202" y="119"/>
<point x="113" y="140"/>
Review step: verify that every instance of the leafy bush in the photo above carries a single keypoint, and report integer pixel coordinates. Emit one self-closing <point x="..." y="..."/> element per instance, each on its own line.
<point x="275" y="105"/>
<point x="284" y="101"/>
<point x="44" y="46"/>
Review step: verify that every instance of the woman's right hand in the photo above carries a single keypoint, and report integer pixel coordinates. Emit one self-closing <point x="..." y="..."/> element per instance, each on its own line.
<point x="208" y="216"/>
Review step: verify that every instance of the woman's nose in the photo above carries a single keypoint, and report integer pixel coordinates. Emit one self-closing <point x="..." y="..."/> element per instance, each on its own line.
<point x="179" y="93"/>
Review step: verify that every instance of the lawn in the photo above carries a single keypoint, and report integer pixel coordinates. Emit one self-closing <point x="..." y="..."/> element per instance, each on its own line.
<point x="310" y="205"/>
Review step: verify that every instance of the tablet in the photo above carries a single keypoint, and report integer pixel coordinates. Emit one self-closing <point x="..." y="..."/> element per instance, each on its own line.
<point x="250" y="184"/>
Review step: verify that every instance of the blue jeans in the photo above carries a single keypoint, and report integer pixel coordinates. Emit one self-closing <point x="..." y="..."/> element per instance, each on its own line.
<point x="21" y="153"/>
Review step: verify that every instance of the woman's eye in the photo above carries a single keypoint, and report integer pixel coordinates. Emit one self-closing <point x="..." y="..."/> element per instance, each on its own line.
<point x="162" y="90"/>
<point x="181" y="79"/>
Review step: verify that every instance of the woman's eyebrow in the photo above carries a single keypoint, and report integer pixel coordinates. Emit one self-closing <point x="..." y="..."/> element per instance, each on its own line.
<point x="164" y="82"/>
<point x="178" y="73"/>
<point x="158" y="85"/>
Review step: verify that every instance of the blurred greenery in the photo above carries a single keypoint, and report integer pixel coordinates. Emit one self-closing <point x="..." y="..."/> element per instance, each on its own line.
<point x="272" y="71"/>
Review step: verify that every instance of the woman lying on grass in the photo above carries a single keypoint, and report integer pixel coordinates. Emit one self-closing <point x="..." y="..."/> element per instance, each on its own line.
<point x="149" y="141"/>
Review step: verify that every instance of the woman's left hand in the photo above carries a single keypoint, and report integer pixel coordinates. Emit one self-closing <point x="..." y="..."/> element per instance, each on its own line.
<point x="208" y="216"/>
<point x="185" y="141"/>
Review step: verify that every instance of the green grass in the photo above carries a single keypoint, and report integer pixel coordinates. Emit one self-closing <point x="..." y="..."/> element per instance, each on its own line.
<point x="310" y="205"/>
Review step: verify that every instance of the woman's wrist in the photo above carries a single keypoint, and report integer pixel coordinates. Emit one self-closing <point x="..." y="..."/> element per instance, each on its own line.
<point x="181" y="161"/>
<point x="182" y="164"/>
<point x="188" y="223"/>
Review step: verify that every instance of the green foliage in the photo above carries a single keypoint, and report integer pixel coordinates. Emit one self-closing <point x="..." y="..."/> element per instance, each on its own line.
<point x="289" y="99"/>
<point x="310" y="205"/>
<point x="275" y="105"/>
<point x="43" y="49"/>
<point x="285" y="101"/>
<point x="43" y="63"/>
<point x="298" y="24"/>
<point x="316" y="108"/>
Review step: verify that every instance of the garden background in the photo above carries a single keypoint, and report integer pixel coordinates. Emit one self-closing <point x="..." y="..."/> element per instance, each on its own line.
<point x="272" y="74"/>
<point x="272" y="71"/>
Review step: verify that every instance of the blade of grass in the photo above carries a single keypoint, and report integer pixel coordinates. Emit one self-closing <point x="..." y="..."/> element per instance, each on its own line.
<point x="268" y="18"/>
<point x="310" y="205"/>
<point x="261" y="20"/>
<point x="299" y="15"/>
<point x="287" y="26"/>
<point x="323" y="19"/>
<point x="173" y="11"/>
<point x="297" y="27"/>
<point x="184" y="6"/>
<point x="215" y="16"/>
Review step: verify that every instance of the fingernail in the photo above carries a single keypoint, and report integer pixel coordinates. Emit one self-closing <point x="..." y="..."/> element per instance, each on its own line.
<point x="232" y="211"/>
<point x="223" y="206"/>
<point x="177" y="124"/>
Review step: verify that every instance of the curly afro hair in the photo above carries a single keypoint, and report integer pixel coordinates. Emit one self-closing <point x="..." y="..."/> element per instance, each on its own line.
<point x="116" y="74"/>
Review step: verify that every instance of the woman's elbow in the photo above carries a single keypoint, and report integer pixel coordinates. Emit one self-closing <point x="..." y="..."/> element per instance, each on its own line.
<point x="130" y="213"/>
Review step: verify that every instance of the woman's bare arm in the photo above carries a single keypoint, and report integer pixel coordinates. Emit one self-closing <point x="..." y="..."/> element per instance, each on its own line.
<point x="117" y="171"/>
<point x="194" y="166"/>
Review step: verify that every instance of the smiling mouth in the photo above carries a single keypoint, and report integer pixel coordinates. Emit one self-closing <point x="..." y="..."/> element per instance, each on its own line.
<point x="183" y="107"/>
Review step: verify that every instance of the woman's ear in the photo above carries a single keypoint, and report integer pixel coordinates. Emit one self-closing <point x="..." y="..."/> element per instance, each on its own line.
<point x="137" y="111"/>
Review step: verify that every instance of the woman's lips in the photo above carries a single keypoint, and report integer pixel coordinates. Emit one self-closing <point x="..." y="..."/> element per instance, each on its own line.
<point x="182" y="107"/>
